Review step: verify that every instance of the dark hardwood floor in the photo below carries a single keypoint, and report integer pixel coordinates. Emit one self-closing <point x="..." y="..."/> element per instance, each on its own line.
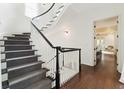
<point x="104" y="76"/>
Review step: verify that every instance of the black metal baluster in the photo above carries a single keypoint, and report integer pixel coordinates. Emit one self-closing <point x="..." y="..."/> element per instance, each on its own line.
<point x="79" y="60"/>
<point x="63" y="60"/>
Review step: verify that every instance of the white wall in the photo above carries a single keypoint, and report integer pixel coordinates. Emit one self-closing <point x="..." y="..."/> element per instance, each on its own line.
<point x="109" y="40"/>
<point x="12" y="20"/>
<point x="79" y="21"/>
<point x="105" y="41"/>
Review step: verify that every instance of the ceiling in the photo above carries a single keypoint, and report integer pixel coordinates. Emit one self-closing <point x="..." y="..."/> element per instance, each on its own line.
<point x="106" y="23"/>
<point x="106" y="26"/>
<point x="105" y="31"/>
<point x="85" y="7"/>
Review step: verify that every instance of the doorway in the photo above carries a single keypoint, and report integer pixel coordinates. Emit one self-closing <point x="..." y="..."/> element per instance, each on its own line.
<point x="106" y="39"/>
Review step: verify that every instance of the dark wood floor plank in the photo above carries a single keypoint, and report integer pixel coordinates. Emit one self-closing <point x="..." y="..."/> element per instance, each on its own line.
<point x="104" y="76"/>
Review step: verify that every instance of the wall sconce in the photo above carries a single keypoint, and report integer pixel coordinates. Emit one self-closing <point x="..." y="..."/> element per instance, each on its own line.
<point x="66" y="32"/>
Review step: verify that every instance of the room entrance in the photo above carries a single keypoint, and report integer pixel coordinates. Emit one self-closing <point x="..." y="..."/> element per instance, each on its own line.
<point x="106" y="40"/>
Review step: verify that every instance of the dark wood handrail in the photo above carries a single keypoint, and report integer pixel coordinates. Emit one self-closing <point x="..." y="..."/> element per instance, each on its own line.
<point x="44" y="12"/>
<point x="43" y="36"/>
<point x="70" y="48"/>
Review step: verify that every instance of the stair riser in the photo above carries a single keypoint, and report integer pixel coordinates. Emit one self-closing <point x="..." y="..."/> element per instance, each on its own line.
<point x="16" y="42"/>
<point x="21" y="61"/>
<point x="16" y="38"/>
<point x="19" y="54"/>
<point x="22" y="71"/>
<point x="10" y="48"/>
<point x="27" y="36"/>
<point x="28" y="82"/>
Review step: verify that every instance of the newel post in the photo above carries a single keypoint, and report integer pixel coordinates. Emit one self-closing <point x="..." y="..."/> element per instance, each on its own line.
<point x="57" y="69"/>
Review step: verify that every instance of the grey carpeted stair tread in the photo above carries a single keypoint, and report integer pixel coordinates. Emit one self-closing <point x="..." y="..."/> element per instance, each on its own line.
<point x="26" y="33"/>
<point x="21" y="35"/>
<point x="26" y="76"/>
<point x="15" y="45"/>
<point x="23" y="66"/>
<point x="26" y="63"/>
<point x="14" y="37"/>
<point x="17" y="58"/>
<point x="43" y="84"/>
<point x="18" y="51"/>
<point x="17" y="40"/>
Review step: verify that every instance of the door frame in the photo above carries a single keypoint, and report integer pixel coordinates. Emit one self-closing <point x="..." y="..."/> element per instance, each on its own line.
<point x="117" y="38"/>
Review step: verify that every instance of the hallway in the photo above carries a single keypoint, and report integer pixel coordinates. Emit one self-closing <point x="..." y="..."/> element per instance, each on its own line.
<point x="105" y="76"/>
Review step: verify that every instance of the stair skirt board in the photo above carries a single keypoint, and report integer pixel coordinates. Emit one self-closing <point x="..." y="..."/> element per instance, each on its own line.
<point x="21" y="67"/>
